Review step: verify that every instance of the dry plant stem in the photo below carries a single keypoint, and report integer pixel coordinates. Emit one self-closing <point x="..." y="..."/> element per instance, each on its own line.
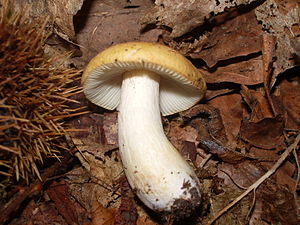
<point x="268" y="48"/>
<point x="205" y="160"/>
<point x="282" y="158"/>
<point x="252" y="205"/>
<point x="298" y="178"/>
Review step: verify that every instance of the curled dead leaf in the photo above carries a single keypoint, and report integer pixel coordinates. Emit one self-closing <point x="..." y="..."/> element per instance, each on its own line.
<point x="101" y="215"/>
<point x="266" y="133"/>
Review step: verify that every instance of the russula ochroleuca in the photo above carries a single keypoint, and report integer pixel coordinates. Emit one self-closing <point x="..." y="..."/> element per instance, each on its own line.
<point x="143" y="80"/>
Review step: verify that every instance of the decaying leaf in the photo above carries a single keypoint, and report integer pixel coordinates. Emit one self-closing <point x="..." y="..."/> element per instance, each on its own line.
<point x="69" y="209"/>
<point x="184" y="15"/>
<point x="206" y="117"/>
<point x="233" y="37"/>
<point x="40" y="213"/>
<point x="277" y="205"/>
<point x="258" y="104"/>
<point x="225" y="154"/>
<point x="110" y="128"/>
<point x="244" y="72"/>
<point x="290" y="100"/>
<point x="143" y="220"/>
<point x="281" y="18"/>
<point x="266" y="133"/>
<point x="127" y="212"/>
<point x="234" y="216"/>
<point x="231" y="116"/>
<point x="102" y="216"/>
<point x="59" y="11"/>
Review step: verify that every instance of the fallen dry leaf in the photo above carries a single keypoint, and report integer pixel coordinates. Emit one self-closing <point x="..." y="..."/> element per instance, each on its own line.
<point x="277" y="205"/>
<point x="235" y="215"/>
<point x="61" y="12"/>
<point x="143" y="220"/>
<point x="223" y="153"/>
<point x="258" y="104"/>
<point x="281" y="18"/>
<point x="233" y="37"/>
<point x="231" y="116"/>
<point x="69" y="209"/>
<point x="102" y="216"/>
<point x="183" y="15"/>
<point x="208" y="122"/>
<point x="127" y="212"/>
<point x="266" y="133"/>
<point x="178" y="134"/>
<point x="240" y="72"/>
<point x="39" y="213"/>
<point x="290" y="100"/>
<point x="242" y="175"/>
<point x="110" y="128"/>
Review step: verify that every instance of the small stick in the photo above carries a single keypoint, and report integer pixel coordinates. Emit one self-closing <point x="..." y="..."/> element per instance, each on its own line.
<point x="260" y="180"/>
<point x="268" y="51"/>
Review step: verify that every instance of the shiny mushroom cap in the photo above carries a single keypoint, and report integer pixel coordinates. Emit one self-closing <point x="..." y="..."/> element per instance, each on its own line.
<point x="181" y="85"/>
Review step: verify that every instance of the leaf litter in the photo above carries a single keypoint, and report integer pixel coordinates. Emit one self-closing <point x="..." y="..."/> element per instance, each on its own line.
<point x="242" y="139"/>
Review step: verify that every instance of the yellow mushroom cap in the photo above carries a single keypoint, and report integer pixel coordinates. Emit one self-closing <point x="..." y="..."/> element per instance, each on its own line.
<point x="181" y="85"/>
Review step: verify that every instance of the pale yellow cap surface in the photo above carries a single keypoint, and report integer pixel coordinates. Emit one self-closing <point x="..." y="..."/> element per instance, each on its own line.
<point x="182" y="85"/>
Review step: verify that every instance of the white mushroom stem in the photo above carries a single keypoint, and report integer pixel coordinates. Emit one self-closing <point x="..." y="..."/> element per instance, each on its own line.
<point x="162" y="179"/>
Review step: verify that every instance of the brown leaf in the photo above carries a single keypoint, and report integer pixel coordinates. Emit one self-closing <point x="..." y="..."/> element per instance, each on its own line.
<point x="280" y="18"/>
<point x="268" y="57"/>
<point x="278" y="204"/>
<point x="237" y="214"/>
<point x="257" y="103"/>
<point x="178" y="134"/>
<point x="110" y="128"/>
<point x="143" y="220"/>
<point x="290" y="99"/>
<point x="231" y="116"/>
<point x="243" y="174"/>
<point x="235" y="37"/>
<point x="189" y="151"/>
<point x="126" y="213"/>
<point x="101" y="215"/>
<point x="273" y="202"/>
<point x="266" y="133"/>
<point x="222" y="152"/>
<point x="59" y="11"/>
<point x="59" y="193"/>
<point x="283" y="175"/>
<point x="244" y="72"/>
<point x="183" y="15"/>
<point x="206" y="117"/>
<point x="39" y="213"/>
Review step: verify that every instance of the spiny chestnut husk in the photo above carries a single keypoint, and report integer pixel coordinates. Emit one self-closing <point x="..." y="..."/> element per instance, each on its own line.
<point x="35" y="94"/>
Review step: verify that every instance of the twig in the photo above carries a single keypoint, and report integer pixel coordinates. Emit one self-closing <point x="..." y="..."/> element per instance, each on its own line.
<point x="260" y="180"/>
<point x="205" y="160"/>
<point x="297" y="179"/>
<point x="268" y="49"/>
<point x="233" y="181"/>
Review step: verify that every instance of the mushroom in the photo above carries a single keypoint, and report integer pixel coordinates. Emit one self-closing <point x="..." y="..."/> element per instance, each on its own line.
<point x="142" y="80"/>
